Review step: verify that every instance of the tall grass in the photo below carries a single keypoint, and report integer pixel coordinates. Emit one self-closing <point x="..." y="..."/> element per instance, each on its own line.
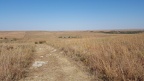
<point x="14" y="61"/>
<point x="116" y="58"/>
<point x="120" y="59"/>
<point x="109" y="57"/>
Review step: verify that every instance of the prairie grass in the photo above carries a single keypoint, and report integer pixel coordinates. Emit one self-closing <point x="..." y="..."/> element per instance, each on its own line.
<point x="111" y="58"/>
<point x="15" y="61"/>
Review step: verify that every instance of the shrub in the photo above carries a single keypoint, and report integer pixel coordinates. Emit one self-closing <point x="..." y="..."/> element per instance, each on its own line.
<point x="36" y="42"/>
<point x="42" y="42"/>
<point x="5" y="38"/>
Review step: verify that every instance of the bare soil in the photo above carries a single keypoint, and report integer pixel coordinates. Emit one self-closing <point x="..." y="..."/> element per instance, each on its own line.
<point x="52" y="65"/>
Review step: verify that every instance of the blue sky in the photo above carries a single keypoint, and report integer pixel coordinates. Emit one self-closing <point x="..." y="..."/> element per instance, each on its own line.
<point x="71" y="14"/>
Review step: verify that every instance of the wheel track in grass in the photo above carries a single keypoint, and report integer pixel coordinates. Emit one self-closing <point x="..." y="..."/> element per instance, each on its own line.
<point x="51" y="65"/>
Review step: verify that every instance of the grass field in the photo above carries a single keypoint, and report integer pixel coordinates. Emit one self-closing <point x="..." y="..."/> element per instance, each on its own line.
<point x="107" y="56"/>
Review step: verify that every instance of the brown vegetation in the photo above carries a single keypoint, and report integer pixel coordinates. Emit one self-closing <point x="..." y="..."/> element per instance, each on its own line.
<point x="14" y="61"/>
<point x="110" y="57"/>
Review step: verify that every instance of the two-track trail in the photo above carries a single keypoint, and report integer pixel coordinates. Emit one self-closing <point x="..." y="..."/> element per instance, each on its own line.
<point x="52" y="65"/>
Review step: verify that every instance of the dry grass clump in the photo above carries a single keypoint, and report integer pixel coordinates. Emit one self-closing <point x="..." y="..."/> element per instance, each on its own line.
<point x="14" y="61"/>
<point x="116" y="58"/>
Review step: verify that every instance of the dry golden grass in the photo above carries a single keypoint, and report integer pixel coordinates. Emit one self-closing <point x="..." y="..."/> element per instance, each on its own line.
<point x="110" y="57"/>
<point x="16" y="56"/>
<point x="14" y="61"/>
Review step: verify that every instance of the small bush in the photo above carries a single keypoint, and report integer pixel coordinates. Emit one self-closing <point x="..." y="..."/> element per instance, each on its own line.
<point x="36" y="42"/>
<point x="40" y="42"/>
<point x="5" y="38"/>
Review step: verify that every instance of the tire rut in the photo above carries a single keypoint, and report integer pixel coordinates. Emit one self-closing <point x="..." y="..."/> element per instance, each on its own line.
<point x="54" y="66"/>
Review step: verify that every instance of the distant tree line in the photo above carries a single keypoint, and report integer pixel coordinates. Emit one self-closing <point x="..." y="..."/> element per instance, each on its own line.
<point x="122" y="32"/>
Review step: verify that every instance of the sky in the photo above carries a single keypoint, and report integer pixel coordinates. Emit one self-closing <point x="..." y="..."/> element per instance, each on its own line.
<point x="71" y="14"/>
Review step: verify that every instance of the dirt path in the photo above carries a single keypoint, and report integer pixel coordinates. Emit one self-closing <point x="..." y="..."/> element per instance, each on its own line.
<point x="51" y="65"/>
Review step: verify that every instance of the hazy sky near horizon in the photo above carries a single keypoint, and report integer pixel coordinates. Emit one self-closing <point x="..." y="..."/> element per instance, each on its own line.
<point x="71" y="14"/>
